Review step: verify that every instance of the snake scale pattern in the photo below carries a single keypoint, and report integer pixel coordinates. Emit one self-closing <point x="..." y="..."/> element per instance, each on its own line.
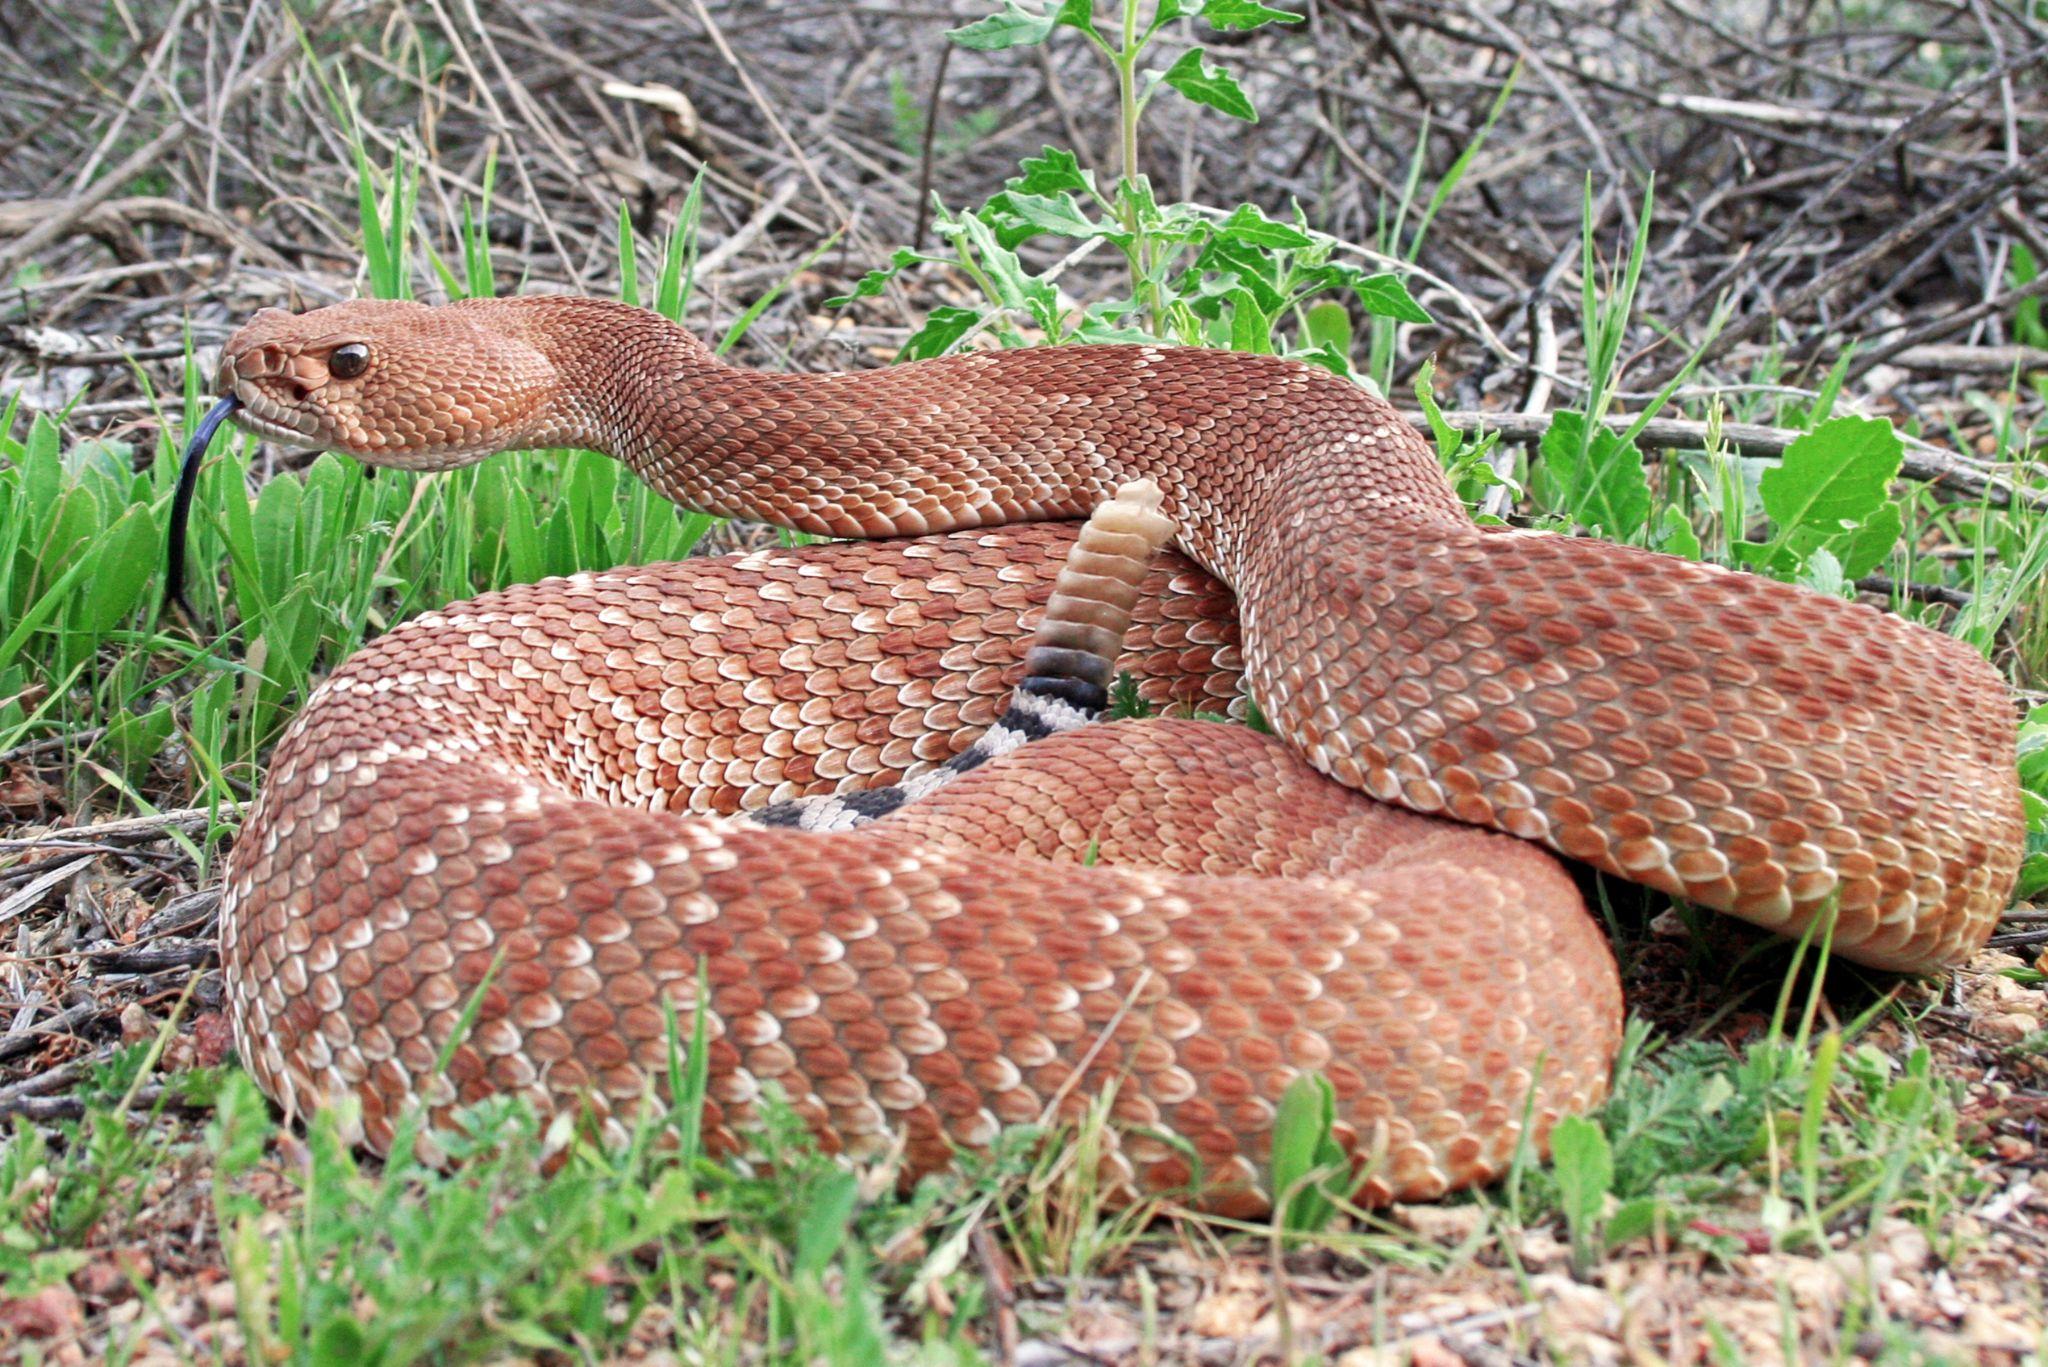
<point x="552" y="779"/>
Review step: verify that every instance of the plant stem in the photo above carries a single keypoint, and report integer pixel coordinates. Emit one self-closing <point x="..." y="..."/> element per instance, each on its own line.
<point x="1125" y="59"/>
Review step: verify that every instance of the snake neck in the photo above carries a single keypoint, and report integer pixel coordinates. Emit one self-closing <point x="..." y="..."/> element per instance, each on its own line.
<point x="982" y="439"/>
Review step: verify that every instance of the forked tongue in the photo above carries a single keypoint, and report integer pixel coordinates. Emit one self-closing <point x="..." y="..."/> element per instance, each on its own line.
<point x="181" y="501"/>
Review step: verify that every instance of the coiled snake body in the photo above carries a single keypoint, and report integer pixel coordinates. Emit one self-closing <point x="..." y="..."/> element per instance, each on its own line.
<point x="534" y="779"/>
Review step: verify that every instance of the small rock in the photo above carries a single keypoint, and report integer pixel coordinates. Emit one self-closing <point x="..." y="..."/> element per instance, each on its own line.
<point x="1943" y="1290"/>
<point x="1433" y="1353"/>
<point x="1540" y="1248"/>
<point x="1445" y="1225"/>
<point x="46" y="1314"/>
<point x="2008" y="1027"/>
<point x="136" y="1025"/>
<point x="101" y="1279"/>
<point x="1230" y="1310"/>
<point x="1229" y="1315"/>
<point x="1905" y="1242"/>
<point x="2011" y="1148"/>
<point x="219" y="1299"/>
<point x="1373" y="1357"/>
<point x="1573" y="1305"/>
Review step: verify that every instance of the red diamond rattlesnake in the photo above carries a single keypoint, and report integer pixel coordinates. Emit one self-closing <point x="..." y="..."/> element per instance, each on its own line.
<point x="511" y="776"/>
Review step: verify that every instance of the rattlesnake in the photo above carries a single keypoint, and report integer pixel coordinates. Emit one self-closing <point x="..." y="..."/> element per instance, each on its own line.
<point x="534" y="792"/>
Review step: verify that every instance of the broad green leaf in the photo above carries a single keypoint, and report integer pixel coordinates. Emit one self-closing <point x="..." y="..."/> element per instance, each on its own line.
<point x="1449" y="440"/>
<point x="1076" y="14"/>
<point x="1015" y="26"/>
<point x="275" y="523"/>
<point x="943" y="326"/>
<point x="74" y="525"/>
<point x="1870" y="545"/>
<point x="133" y="741"/>
<point x="1015" y="287"/>
<point x="1832" y="490"/>
<point x="222" y="486"/>
<point x="1328" y="357"/>
<point x="123" y="569"/>
<point x="525" y="553"/>
<point x="46" y="604"/>
<point x="1636" y="1219"/>
<point x="2033" y="752"/>
<point x="339" y="1340"/>
<point x="42" y="468"/>
<point x="1248" y="267"/>
<point x="1834" y="476"/>
<point x="1303" y="1143"/>
<point x="1822" y="573"/>
<point x="827" y="1215"/>
<point x="327" y="481"/>
<point x="1050" y="172"/>
<point x="1250" y="328"/>
<point x="488" y="496"/>
<point x="1675" y="535"/>
<point x="1103" y="322"/>
<point x="1134" y="194"/>
<point x="1328" y="324"/>
<point x="559" y="542"/>
<point x="1249" y="225"/>
<point x="1385" y="296"/>
<point x="877" y="280"/>
<point x="1382" y="295"/>
<point x="2033" y="876"/>
<point x="1601" y="482"/>
<point x="291" y="633"/>
<point x="1057" y="214"/>
<point x="1584" y="1167"/>
<point x="1244" y="14"/>
<point x="1202" y="81"/>
<point x="103" y="464"/>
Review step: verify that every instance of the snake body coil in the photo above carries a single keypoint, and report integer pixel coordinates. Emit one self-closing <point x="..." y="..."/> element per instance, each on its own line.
<point x="535" y="778"/>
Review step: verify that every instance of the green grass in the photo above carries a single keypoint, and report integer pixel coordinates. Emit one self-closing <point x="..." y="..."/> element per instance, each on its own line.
<point x="540" y="1238"/>
<point x="296" y="570"/>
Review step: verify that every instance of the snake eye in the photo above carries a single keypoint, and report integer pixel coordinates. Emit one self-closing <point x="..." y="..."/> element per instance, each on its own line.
<point x="348" y="360"/>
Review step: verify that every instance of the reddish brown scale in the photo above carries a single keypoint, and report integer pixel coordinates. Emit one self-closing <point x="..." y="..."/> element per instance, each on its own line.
<point x="504" y="777"/>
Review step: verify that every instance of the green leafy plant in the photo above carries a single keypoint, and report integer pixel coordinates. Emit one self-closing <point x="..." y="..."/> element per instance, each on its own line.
<point x="1822" y="515"/>
<point x="496" y="1253"/>
<point x="1830" y="497"/>
<point x="1584" y="1169"/>
<point x="1310" y="1167"/>
<point x="315" y="560"/>
<point x="1466" y="460"/>
<point x="1235" y="278"/>
<point x="2033" y="753"/>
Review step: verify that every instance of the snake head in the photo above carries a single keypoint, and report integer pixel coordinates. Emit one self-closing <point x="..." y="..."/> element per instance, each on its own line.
<point x="391" y="382"/>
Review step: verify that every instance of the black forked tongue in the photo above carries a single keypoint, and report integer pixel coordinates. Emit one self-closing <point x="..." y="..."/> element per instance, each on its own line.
<point x="181" y="501"/>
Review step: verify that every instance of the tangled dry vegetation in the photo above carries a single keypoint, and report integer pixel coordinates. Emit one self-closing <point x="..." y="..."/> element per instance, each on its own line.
<point x="1847" y="218"/>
